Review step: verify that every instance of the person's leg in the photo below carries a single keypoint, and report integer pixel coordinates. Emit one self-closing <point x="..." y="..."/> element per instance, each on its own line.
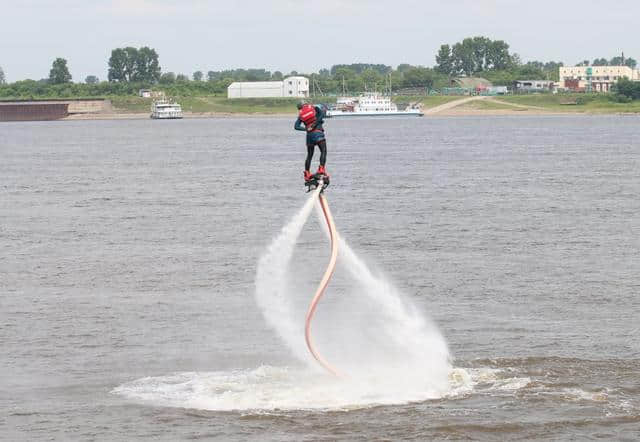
<point x="322" y="144"/>
<point x="307" y="163"/>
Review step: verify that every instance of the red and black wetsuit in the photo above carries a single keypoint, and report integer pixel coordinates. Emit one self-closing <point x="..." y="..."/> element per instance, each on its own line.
<point x="315" y="136"/>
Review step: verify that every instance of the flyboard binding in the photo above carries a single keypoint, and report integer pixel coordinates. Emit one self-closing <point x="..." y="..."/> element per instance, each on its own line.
<point x="317" y="180"/>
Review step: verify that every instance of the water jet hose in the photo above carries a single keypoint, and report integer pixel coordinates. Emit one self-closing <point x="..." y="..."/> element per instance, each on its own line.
<point x="322" y="286"/>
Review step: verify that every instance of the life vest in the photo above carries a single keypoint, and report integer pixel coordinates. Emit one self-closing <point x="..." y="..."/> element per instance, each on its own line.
<point x="308" y="115"/>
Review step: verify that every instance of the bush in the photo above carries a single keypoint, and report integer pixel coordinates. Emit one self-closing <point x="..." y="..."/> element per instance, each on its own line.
<point x="584" y="99"/>
<point x="628" y="88"/>
<point x="619" y="98"/>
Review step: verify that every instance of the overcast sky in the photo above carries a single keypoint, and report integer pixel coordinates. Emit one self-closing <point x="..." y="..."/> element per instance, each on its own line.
<point x="302" y="35"/>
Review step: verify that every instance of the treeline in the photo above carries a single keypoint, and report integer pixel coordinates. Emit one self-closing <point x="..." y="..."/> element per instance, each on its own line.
<point x="131" y="69"/>
<point x="615" y="61"/>
<point x="491" y="59"/>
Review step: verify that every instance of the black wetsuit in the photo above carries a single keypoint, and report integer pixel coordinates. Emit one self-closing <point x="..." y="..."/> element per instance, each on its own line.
<point x="315" y="137"/>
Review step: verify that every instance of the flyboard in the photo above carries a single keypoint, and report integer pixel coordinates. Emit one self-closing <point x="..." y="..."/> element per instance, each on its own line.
<point x="322" y="180"/>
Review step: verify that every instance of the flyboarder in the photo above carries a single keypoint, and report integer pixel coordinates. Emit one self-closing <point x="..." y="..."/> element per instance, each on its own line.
<point x="310" y="120"/>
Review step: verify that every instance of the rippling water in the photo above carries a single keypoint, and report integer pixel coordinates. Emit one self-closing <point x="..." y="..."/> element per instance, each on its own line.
<point x="128" y="263"/>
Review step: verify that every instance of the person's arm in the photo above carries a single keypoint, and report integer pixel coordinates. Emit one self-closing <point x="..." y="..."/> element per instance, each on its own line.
<point x="298" y="125"/>
<point x="320" y="114"/>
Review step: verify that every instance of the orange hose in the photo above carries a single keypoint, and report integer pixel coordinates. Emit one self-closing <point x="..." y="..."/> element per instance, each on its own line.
<point x="322" y="286"/>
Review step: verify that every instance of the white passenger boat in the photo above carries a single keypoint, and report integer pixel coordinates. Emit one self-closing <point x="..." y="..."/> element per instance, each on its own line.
<point x="165" y="109"/>
<point x="370" y="104"/>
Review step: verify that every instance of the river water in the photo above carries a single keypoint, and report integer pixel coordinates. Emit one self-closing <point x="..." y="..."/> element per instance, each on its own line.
<point x="129" y="252"/>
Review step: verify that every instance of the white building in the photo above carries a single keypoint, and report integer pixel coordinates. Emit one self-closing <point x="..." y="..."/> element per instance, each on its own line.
<point x="293" y="87"/>
<point x="595" y="78"/>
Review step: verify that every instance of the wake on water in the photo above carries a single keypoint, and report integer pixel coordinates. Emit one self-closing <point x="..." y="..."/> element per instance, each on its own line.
<point x="388" y="350"/>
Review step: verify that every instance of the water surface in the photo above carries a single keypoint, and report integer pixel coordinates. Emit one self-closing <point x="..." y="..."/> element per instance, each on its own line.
<point x="129" y="250"/>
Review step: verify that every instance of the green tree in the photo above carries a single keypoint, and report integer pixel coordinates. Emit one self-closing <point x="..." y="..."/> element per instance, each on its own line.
<point x="463" y="57"/>
<point x="168" y="78"/>
<point x="122" y="64"/>
<point x="91" y="79"/>
<point x="277" y="76"/>
<point x="343" y="72"/>
<point x="370" y="78"/>
<point x="2" y="78"/>
<point x="212" y="76"/>
<point x="535" y="64"/>
<point x="444" y="60"/>
<point x="616" y="61"/>
<point x="131" y="64"/>
<point x="258" y="75"/>
<point x="515" y="61"/>
<point x="632" y="63"/>
<point x="628" y="88"/>
<point x="473" y="55"/>
<point x="530" y="71"/>
<point x="146" y="67"/>
<point x="59" y="72"/>
<point x="498" y="56"/>
<point x="359" y="68"/>
<point x="117" y="65"/>
<point x="197" y="76"/>
<point x="131" y="54"/>
<point x="481" y="47"/>
<point x="182" y="78"/>
<point x="600" y="62"/>
<point x="418" y="77"/>
<point x="552" y="70"/>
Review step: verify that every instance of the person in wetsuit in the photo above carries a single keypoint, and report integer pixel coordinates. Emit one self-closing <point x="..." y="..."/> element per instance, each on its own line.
<point x="315" y="136"/>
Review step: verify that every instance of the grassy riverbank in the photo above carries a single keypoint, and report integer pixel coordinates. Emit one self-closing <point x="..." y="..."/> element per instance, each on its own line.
<point x="221" y="104"/>
<point x="572" y="103"/>
<point x="211" y="104"/>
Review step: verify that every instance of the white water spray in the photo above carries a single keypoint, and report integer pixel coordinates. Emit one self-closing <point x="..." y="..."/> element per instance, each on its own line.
<point x="388" y="350"/>
<point x="272" y="295"/>
<point x="390" y="338"/>
<point x="366" y="327"/>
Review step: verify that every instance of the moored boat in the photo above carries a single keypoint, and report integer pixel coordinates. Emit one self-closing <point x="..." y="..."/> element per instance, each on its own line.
<point x="165" y="110"/>
<point x="370" y="104"/>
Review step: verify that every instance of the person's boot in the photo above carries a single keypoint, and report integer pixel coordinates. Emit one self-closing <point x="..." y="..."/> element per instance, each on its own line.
<point x="307" y="175"/>
<point x="321" y="170"/>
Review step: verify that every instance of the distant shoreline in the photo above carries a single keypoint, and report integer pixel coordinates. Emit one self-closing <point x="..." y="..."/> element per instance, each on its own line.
<point x="136" y="108"/>
<point x="453" y="112"/>
<point x="186" y="115"/>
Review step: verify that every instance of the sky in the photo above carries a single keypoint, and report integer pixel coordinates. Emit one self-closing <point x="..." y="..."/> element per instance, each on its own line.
<point x="302" y="35"/>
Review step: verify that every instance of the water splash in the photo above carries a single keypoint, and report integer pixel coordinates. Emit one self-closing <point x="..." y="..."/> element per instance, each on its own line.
<point x="410" y="344"/>
<point x="264" y="389"/>
<point x="390" y="352"/>
<point x="273" y="295"/>
<point x="373" y="331"/>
